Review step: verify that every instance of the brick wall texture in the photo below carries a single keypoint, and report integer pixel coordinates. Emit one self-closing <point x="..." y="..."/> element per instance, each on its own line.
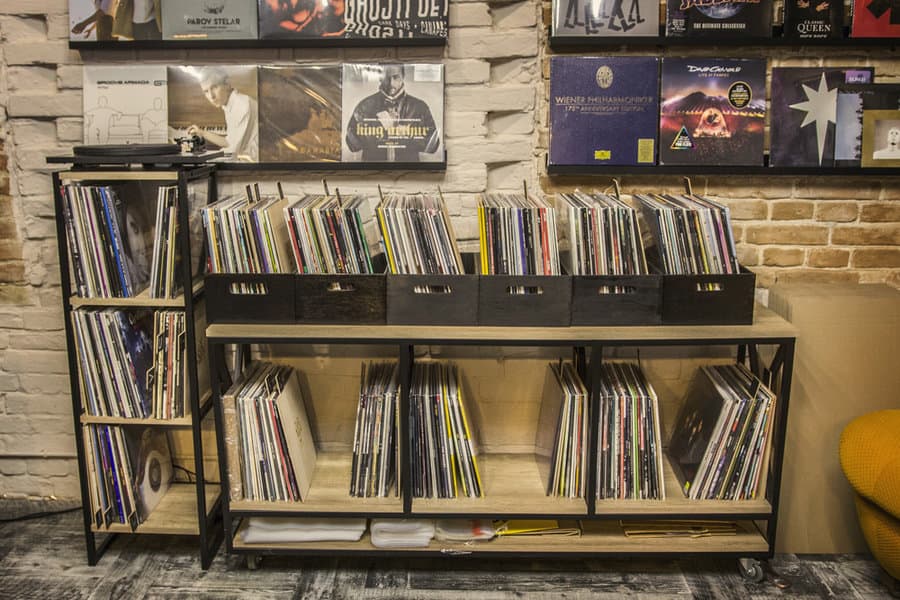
<point x="788" y="229"/>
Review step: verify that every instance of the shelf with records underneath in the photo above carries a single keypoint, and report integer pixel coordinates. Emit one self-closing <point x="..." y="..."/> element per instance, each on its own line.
<point x="709" y="116"/>
<point x="491" y="432"/>
<point x="141" y="398"/>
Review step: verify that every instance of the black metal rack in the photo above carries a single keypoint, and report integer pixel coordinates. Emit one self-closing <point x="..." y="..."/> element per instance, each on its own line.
<point x="249" y="44"/>
<point x="753" y="543"/>
<point x="721" y="170"/>
<point x="180" y="512"/>
<point x="586" y="43"/>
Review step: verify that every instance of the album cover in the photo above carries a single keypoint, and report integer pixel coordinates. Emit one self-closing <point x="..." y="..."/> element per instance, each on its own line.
<point x="881" y="127"/>
<point x="218" y="103"/>
<point x="114" y="20"/>
<point x="813" y="19"/>
<point x="803" y="112"/>
<point x="712" y="111"/>
<point x="300" y="113"/>
<point x="713" y="18"/>
<point x="392" y="113"/>
<point x="301" y="18"/>
<point x="209" y="20"/>
<point x="396" y="19"/>
<point x="605" y="17"/>
<point x="124" y="104"/>
<point x="875" y="18"/>
<point x="848" y="132"/>
<point x="603" y="110"/>
<point x="151" y="466"/>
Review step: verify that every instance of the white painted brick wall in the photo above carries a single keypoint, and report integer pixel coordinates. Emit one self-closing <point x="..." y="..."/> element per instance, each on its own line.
<point x="496" y="132"/>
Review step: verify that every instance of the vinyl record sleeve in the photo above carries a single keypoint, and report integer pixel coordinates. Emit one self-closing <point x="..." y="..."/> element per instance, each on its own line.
<point x="209" y="20"/>
<point x="221" y="101"/>
<point x="803" y="111"/>
<point x="124" y="104"/>
<point x="881" y="126"/>
<point x="604" y="18"/>
<point x="875" y="18"/>
<point x="712" y="111"/>
<point x="396" y="19"/>
<point x="285" y="19"/>
<point x="392" y="112"/>
<point x="726" y="18"/>
<point x="603" y="110"/>
<point x="300" y="114"/>
<point x="813" y="19"/>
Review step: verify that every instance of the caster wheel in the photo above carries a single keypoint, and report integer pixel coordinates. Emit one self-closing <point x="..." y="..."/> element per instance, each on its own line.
<point x="253" y="561"/>
<point x="751" y="569"/>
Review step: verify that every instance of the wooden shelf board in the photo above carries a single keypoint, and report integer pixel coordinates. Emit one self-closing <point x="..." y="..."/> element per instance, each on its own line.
<point x="91" y="420"/>
<point x="176" y="513"/>
<point x="329" y="492"/>
<point x="677" y="504"/>
<point x="602" y="537"/>
<point x="766" y="325"/>
<point x="512" y="485"/>
<point x="142" y="300"/>
<point x="135" y="175"/>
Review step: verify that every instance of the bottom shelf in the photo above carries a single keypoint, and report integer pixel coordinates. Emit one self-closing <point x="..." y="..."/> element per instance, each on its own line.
<point x="598" y="537"/>
<point x="176" y="513"/>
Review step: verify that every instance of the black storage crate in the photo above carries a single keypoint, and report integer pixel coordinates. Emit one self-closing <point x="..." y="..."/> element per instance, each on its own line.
<point x="616" y="299"/>
<point x="434" y="299"/>
<point x="547" y="301"/>
<point x="708" y="299"/>
<point x="246" y="298"/>
<point x="342" y="299"/>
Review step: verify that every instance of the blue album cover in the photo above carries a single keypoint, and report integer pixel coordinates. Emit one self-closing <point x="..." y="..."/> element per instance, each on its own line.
<point x="603" y="110"/>
<point x="712" y="111"/>
<point x="804" y="112"/>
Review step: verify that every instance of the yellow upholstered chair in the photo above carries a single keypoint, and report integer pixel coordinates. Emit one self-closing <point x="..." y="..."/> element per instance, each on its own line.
<point x="870" y="458"/>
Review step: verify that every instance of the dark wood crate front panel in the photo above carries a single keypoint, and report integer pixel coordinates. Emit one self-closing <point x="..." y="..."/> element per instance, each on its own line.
<point x="245" y="298"/>
<point x="708" y="299"/>
<point x="548" y="302"/>
<point x="336" y="299"/>
<point x="616" y="300"/>
<point x="432" y="299"/>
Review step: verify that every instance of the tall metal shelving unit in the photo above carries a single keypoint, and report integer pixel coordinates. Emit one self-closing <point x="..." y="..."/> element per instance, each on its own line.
<point x="192" y="508"/>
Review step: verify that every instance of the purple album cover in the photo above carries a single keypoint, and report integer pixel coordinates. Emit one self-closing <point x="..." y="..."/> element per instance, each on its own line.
<point x="712" y="111"/>
<point x="719" y="18"/>
<point x="603" y="110"/>
<point x="804" y="107"/>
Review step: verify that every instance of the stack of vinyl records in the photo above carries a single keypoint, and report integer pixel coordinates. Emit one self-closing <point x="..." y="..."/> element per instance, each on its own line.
<point x="248" y="235"/>
<point x="692" y="234"/>
<point x="630" y="456"/>
<point x="375" y="444"/>
<point x="562" y="433"/>
<point x="168" y="389"/>
<point x="603" y="234"/>
<point x="129" y="471"/>
<point x="109" y="239"/>
<point x="444" y="464"/>
<point x="276" y="446"/>
<point x="163" y="277"/>
<point x="517" y="235"/>
<point x="418" y="236"/>
<point x="327" y="235"/>
<point x="721" y="439"/>
<point x="114" y="355"/>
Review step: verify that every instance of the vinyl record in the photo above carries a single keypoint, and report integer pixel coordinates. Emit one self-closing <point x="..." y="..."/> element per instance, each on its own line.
<point x="127" y="150"/>
<point x="157" y="470"/>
